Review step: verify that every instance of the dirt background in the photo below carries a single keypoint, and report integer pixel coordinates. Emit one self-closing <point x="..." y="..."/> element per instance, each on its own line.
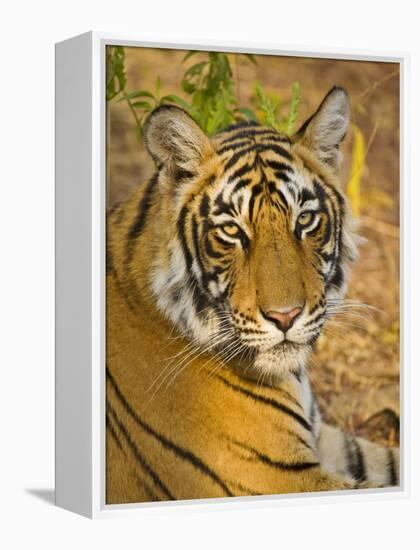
<point x="355" y="369"/>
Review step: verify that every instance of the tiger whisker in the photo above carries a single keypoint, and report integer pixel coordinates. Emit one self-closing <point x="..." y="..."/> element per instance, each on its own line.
<point x="345" y="324"/>
<point x="191" y="355"/>
<point x="179" y="370"/>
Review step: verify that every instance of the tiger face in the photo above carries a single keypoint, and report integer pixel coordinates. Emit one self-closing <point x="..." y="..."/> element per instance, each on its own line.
<point x="254" y="237"/>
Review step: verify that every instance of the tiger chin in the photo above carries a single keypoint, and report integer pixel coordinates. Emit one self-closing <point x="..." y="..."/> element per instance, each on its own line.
<point x="222" y="271"/>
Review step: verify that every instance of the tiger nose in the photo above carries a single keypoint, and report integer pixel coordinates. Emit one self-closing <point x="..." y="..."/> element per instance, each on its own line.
<point x="283" y="319"/>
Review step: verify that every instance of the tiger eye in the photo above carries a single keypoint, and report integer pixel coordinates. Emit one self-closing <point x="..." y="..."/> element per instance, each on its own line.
<point x="230" y="229"/>
<point x="305" y="218"/>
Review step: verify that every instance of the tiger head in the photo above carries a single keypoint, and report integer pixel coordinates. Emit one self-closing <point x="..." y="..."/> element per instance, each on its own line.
<point x="253" y="236"/>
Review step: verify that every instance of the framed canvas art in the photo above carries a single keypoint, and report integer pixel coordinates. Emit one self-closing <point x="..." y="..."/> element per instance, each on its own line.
<point x="228" y="275"/>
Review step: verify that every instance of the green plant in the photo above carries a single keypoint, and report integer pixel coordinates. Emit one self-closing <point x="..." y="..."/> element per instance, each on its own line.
<point x="209" y="84"/>
<point x="210" y="98"/>
<point x="115" y="73"/>
<point x="270" y="109"/>
<point x="142" y="102"/>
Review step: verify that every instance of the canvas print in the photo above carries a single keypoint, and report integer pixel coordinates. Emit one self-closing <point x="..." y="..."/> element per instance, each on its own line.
<point x="252" y="298"/>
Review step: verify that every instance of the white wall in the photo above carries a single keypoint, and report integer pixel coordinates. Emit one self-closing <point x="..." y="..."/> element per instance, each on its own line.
<point x="28" y="32"/>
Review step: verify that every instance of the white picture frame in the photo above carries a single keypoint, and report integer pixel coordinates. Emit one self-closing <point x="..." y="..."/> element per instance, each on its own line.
<point x="80" y="277"/>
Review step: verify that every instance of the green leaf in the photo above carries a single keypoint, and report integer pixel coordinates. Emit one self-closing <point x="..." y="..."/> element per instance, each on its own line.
<point x="211" y="99"/>
<point x="115" y="74"/>
<point x="248" y="113"/>
<point x="294" y="107"/>
<point x="188" y="55"/>
<point x="139" y="132"/>
<point x="139" y="93"/>
<point x="266" y="105"/>
<point x="142" y="105"/>
<point x="251" y="58"/>
<point x="192" y="77"/>
<point x="178" y="100"/>
<point x="195" y="69"/>
<point x="188" y="87"/>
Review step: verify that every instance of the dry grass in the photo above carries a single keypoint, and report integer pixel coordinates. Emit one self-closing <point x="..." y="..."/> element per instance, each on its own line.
<point x="355" y="369"/>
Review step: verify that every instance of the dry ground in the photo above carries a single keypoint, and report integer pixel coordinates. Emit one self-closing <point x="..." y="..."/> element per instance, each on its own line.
<point x="356" y="366"/>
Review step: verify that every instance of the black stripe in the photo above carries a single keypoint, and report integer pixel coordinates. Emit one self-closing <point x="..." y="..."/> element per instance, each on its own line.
<point x="255" y="191"/>
<point x="338" y="278"/>
<point x="327" y="232"/>
<point x="360" y="469"/>
<point x="182" y="238"/>
<point x="285" y="394"/>
<point x="241" y="184"/>
<point x="116" y="213"/>
<point x="303" y="441"/>
<point x="315" y="307"/>
<point x="244" y="169"/>
<point x="204" y="207"/>
<point x="283" y="177"/>
<point x="313" y="411"/>
<point x="238" y="156"/>
<point x="259" y="148"/>
<point x="251" y="133"/>
<point x="279" y="201"/>
<point x="244" y="489"/>
<point x="113" y="433"/>
<point x="276" y="139"/>
<point x="167" y="443"/>
<point x="122" y="290"/>
<point x="298" y="375"/>
<point x="291" y="189"/>
<point x="109" y="261"/>
<point x="206" y="277"/>
<point x="279" y="166"/>
<point x="222" y="242"/>
<point x="209" y="248"/>
<point x="113" y="208"/>
<point x="196" y="245"/>
<point x="354" y="458"/>
<point x="232" y="146"/>
<point x="238" y="126"/>
<point x="179" y="174"/>
<point x="145" y="487"/>
<point x="327" y="196"/>
<point x="325" y="256"/>
<point x="281" y="151"/>
<point x="141" y="218"/>
<point x="222" y="206"/>
<point x="199" y="298"/>
<point x="290" y="466"/>
<point x="315" y="320"/>
<point x="393" y="478"/>
<point x="267" y="401"/>
<point x="281" y="391"/>
<point x="252" y="331"/>
<point x="139" y="456"/>
<point x="306" y="195"/>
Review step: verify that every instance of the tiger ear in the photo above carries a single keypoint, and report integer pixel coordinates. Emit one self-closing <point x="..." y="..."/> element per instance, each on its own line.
<point x="175" y="140"/>
<point x="323" y="132"/>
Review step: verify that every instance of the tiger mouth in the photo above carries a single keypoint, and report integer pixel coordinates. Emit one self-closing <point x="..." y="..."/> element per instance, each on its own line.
<point x="287" y="348"/>
<point x="287" y="345"/>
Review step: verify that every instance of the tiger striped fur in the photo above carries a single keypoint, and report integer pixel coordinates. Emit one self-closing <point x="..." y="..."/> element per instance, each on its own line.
<point x="221" y="273"/>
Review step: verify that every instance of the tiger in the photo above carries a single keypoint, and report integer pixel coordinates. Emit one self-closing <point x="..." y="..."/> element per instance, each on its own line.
<point x="221" y="272"/>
